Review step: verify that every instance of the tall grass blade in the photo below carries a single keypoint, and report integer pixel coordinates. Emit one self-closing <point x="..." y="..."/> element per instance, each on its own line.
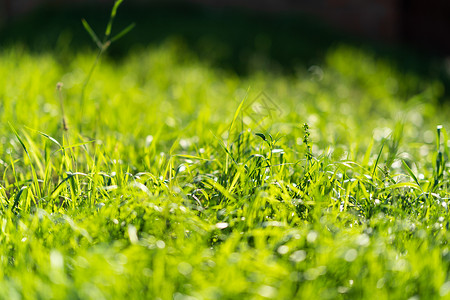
<point x="19" y="139"/>
<point x="92" y="34"/>
<point x="123" y="32"/>
<point x="111" y="19"/>
<point x="17" y="198"/>
<point x="378" y="158"/>
<point x="410" y="172"/>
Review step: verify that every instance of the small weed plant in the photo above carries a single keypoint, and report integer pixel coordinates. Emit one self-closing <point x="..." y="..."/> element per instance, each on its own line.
<point x="102" y="47"/>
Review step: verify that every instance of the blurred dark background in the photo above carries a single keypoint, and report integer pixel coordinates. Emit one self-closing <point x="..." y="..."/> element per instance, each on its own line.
<point x="423" y="24"/>
<point x="413" y="34"/>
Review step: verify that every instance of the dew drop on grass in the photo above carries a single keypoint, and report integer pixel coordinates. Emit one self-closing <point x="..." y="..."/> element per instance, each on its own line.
<point x="313" y="273"/>
<point x="132" y="233"/>
<point x="428" y="136"/>
<point x="267" y="291"/>
<point x="400" y="265"/>
<point x="311" y="237"/>
<point x="184" y="143"/>
<point x="56" y="259"/>
<point x="48" y="108"/>
<point x="277" y="151"/>
<point x="363" y="240"/>
<point x="342" y="289"/>
<point x="445" y="289"/>
<point x="222" y="225"/>
<point x="396" y="164"/>
<point x="283" y="249"/>
<point x="160" y="244"/>
<point x="181" y="168"/>
<point x="210" y="263"/>
<point x="350" y="255"/>
<point x="184" y="268"/>
<point x="423" y="151"/>
<point x="298" y="256"/>
<point x="148" y="140"/>
<point x="380" y="283"/>
<point x="170" y="122"/>
<point x="380" y="133"/>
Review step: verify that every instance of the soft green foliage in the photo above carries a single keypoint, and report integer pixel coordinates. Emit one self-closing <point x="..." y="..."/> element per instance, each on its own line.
<point x="179" y="186"/>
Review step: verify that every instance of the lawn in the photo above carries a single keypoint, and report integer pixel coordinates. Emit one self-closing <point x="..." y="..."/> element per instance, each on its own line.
<point x="178" y="177"/>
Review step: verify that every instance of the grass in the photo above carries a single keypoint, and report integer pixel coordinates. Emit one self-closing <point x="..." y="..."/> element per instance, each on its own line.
<point x="190" y="181"/>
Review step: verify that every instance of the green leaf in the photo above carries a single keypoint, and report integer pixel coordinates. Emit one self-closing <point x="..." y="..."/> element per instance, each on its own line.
<point x="50" y="138"/>
<point x="73" y="146"/>
<point x="33" y="171"/>
<point x="221" y="189"/>
<point x="410" y="172"/>
<point x="378" y="158"/>
<point x="116" y="6"/>
<point x="123" y="32"/>
<point x="92" y="33"/>
<point x="111" y="18"/>
<point x="19" y="139"/>
<point x="438" y="139"/>
<point x="261" y="135"/>
<point x="403" y="184"/>
<point x="70" y="175"/>
<point x="367" y="154"/>
<point x="17" y="198"/>
<point x="237" y="112"/>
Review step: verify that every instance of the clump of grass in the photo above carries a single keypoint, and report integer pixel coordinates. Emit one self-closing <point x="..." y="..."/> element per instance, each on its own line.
<point x="160" y="205"/>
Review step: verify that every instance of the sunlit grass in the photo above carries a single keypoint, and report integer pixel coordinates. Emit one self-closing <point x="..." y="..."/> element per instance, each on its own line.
<point x="179" y="186"/>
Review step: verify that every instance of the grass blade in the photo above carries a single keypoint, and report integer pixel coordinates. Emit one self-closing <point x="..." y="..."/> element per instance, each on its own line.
<point x="19" y="139"/>
<point x="410" y="172"/>
<point x="237" y="112"/>
<point x="366" y="158"/>
<point x="123" y="32"/>
<point x="92" y="33"/>
<point x="17" y="198"/>
<point x="378" y="158"/>
<point x="261" y="135"/>
<point x="403" y="184"/>
<point x="111" y="19"/>
<point x="46" y="136"/>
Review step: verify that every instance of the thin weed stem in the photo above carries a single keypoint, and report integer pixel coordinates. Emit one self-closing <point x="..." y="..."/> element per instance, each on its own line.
<point x="102" y="47"/>
<point x="85" y="84"/>
<point x="59" y="86"/>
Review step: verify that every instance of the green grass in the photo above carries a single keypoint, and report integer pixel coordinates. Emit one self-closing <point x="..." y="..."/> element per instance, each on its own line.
<point x="180" y="186"/>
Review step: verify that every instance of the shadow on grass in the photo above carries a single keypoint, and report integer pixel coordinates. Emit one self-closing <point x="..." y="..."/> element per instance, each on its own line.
<point x="235" y="40"/>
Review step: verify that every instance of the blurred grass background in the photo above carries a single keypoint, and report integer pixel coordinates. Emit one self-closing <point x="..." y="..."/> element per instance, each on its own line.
<point x="236" y="40"/>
